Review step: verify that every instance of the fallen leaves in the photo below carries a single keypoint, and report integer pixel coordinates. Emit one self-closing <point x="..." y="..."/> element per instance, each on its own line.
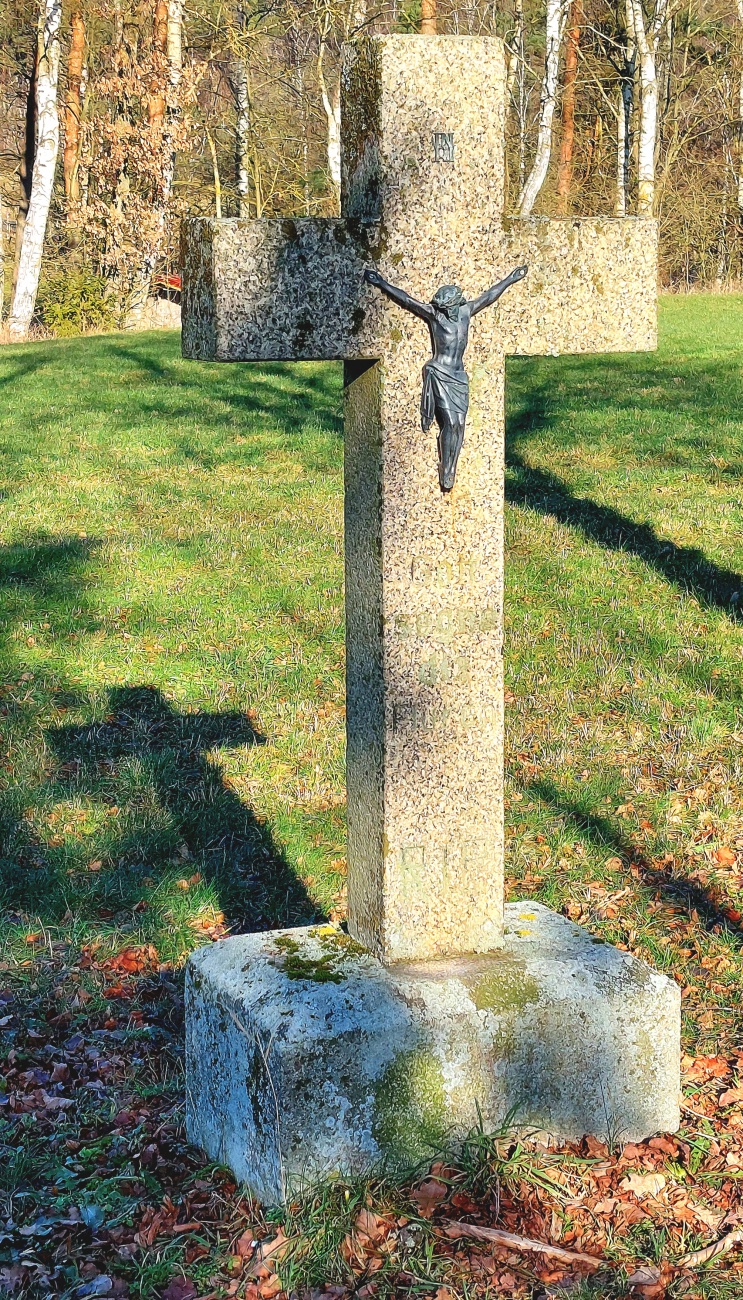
<point x="642" y="1185"/>
<point x="725" y="857"/>
<point x="428" y="1196"/>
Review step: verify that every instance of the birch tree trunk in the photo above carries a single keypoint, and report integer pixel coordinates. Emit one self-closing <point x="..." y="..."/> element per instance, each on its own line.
<point x="646" y="42"/>
<point x="175" y="43"/>
<point x="26" y="168"/>
<point x="331" y="102"/>
<point x="73" y="112"/>
<point x="45" y="162"/>
<point x="555" y="23"/>
<point x="241" y="93"/>
<point x="620" y="202"/>
<point x="565" y="166"/>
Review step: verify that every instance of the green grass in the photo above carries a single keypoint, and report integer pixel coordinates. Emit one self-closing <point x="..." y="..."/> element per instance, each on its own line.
<point x="171" y="654"/>
<point x="171" y="661"/>
<point x="171" y="725"/>
<point x="624" y="644"/>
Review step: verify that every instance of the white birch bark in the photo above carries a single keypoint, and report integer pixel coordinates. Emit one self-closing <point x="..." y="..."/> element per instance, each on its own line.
<point x="241" y="92"/>
<point x="646" y="41"/>
<point x="45" y="162"/>
<point x="331" y="102"/>
<point x="620" y="204"/>
<point x="740" y="120"/>
<point x="555" y="25"/>
<point x="175" y="42"/>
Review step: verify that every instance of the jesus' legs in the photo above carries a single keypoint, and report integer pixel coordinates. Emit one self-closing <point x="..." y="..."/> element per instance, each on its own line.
<point x="450" y="439"/>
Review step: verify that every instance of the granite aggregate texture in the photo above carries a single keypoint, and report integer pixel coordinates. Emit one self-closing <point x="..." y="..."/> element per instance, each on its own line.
<point x="306" y="1055"/>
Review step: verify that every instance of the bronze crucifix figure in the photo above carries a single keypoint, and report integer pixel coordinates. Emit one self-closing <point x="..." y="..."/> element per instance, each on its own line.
<point x="446" y="387"/>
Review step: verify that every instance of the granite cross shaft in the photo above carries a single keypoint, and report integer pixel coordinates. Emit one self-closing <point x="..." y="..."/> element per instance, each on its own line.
<point x="423" y="170"/>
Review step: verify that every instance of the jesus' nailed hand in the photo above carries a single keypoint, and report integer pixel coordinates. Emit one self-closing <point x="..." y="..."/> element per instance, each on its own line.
<point x="446" y="389"/>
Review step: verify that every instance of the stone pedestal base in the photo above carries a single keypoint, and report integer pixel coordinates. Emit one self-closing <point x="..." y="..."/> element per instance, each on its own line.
<point x="305" y="1055"/>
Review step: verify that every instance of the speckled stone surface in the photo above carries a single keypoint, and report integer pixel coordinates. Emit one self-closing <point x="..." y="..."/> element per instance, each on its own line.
<point x="292" y="290"/>
<point x="424" y="570"/>
<point x="306" y="1055"/>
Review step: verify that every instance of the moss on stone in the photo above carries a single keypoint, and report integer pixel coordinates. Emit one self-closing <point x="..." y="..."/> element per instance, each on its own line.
<point x="505" y="989"/>
<point x="410" y="1112"/>
<point x="335" y="946"/>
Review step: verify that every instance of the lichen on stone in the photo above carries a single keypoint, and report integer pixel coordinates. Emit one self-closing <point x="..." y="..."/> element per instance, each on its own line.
<point x="411" y="1117"/>
<point x="506" y="989"/>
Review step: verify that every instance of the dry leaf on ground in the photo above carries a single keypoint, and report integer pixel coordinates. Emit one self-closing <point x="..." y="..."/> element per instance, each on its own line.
<point x="428" y="1196"/>
<point x="643" y="1184"/>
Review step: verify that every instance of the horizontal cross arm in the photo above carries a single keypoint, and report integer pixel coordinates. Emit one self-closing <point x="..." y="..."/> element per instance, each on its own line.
<point x="591" y="287"/>
<point x="276" y="290"/>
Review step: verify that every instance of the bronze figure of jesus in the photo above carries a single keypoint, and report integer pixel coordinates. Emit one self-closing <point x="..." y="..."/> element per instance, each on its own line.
<point x="446" y="388"/>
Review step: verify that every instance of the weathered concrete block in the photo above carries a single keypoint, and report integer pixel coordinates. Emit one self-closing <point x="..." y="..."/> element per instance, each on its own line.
<point x="305" y="1055"/>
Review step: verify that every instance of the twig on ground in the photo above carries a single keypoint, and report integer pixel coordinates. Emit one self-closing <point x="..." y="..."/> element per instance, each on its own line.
<point x="720" y="1247"/>
<point x="514" y="1242"/>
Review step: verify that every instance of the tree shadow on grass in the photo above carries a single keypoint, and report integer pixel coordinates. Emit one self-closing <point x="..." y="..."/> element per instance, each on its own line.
<point x="685" y="566"/>
<point x="663" y="877"/>
<point x="290" y="393"/>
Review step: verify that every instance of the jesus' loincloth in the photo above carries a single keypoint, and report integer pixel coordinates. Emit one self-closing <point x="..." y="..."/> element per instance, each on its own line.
<point x="446" y="395"/>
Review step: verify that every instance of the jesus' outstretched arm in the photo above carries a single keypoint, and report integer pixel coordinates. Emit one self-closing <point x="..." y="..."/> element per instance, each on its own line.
<point x="492" y="295"/>
<point x="403" y="299"/>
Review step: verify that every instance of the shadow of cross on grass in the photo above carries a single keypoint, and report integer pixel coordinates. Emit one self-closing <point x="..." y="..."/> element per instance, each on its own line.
<point x="151" y="762"/>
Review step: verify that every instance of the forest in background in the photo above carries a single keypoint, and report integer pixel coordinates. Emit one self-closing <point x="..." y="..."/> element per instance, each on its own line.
<point x="118" y="117"/>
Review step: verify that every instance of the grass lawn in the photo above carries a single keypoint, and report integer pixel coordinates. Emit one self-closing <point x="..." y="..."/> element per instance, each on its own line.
<point x="171" y="766"/>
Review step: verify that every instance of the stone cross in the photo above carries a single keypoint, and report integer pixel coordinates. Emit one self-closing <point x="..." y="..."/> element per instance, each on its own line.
<point x="422" y="201"/>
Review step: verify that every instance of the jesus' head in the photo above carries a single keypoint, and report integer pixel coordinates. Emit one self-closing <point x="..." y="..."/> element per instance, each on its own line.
<point x="448" y="299"/>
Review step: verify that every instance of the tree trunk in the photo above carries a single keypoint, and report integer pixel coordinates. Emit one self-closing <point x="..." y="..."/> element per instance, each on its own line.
<point x="73" y="109"/>
<point x="555" y="22"/>
<point x="331" y="102"/>
<point x="620" y="202"/>
<point x="646" y="44"/>
<point x="157" y="104"/>
<point x="26" y="168"/>
<point x="215" y="174"/>
<point x="167" y="43"/>
<point x="429" y="21"/>
<point x="175" y="42"/>
<point x="516" y="50"/>
<point x="565" y="166"/>
<point x="45" y="162"/>
<point x="240" y="90"/>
